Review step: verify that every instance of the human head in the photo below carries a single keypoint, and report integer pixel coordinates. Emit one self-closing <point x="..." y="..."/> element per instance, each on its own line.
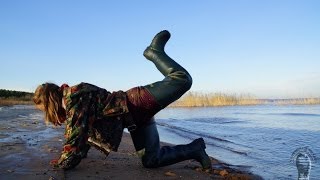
<point x="48" y="98"/>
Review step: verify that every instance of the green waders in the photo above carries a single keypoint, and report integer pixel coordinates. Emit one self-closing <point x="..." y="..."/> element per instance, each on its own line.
<point x="176" y="82"/>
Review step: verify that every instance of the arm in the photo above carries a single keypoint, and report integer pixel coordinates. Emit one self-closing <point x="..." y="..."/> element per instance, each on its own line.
<point x="76" y="136"/>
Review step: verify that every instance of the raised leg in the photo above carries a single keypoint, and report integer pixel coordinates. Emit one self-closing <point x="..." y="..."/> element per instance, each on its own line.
<point x="177" y="80"/>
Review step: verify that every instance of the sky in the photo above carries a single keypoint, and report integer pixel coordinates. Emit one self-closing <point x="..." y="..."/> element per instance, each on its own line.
<point x="266" y="48"/>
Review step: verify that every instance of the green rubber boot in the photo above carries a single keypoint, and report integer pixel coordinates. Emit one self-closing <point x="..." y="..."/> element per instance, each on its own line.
<point x="177" y="80"/>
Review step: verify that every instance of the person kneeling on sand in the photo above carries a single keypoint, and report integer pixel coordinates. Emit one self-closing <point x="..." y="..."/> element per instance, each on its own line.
<point x="97" y="117"/>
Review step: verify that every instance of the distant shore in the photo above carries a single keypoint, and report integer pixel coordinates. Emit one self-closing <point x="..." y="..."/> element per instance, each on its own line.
<point x="197" y="103"/>
<point x="190" y="99"/>
<point x="194" y="99"/>
<point x="11" y="97"/>
<point x="11" y="102"/>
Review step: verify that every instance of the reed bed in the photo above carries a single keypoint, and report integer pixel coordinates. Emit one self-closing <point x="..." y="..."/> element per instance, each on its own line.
<point x="14" y="101"/>
<point x="298" y="101"/>
<point x="195" y="99"/>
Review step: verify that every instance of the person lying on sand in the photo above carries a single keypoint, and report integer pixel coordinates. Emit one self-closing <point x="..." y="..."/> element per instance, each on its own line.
<point x="97" y="117"/>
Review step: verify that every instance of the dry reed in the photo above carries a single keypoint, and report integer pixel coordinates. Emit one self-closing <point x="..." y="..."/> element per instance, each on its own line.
<point x="14" y="101"/>
<point x="195" y="99"/>
<point x="299" y="101"/>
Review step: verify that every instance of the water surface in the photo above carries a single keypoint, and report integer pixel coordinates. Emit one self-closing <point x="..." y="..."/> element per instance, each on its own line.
<point x="258" y="138"/>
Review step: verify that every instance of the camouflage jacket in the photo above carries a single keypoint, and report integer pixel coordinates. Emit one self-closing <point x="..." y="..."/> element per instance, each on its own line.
<point x="94" y="113"/>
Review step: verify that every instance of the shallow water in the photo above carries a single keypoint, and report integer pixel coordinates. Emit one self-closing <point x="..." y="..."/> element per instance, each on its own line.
<point x="24" y="124"/>
<point x="260" y="139"/>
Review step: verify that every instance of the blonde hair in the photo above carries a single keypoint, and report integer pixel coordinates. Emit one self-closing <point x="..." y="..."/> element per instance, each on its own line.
<point x="49" y="95"/>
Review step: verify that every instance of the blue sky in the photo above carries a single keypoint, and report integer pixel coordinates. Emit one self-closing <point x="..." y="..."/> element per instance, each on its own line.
<point x="270" y="49"/>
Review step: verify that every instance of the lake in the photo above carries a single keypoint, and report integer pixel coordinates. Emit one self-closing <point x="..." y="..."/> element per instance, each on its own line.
<point x="261" y="139"/>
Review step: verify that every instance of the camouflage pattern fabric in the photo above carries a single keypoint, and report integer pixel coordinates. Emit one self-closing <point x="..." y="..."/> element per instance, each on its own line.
<point x="91" y="112"/>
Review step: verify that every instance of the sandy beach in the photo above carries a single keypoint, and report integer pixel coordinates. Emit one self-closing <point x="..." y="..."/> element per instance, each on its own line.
<point x="27" y="147"/>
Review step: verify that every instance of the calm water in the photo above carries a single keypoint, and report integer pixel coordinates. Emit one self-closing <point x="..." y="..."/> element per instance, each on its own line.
<point x="258" y="138"/>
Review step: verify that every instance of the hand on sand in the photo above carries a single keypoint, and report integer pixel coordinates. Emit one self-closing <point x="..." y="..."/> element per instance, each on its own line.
<point x="54" y="163"/>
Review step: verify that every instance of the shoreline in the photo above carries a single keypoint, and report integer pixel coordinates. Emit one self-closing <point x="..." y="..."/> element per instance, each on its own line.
<point x="33" y="163"/>
<point x="118" y="165"/>
<point x="28" y="145"/>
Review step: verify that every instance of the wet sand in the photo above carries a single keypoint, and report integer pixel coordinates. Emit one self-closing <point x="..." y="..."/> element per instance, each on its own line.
<point x="27" y="146"/>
